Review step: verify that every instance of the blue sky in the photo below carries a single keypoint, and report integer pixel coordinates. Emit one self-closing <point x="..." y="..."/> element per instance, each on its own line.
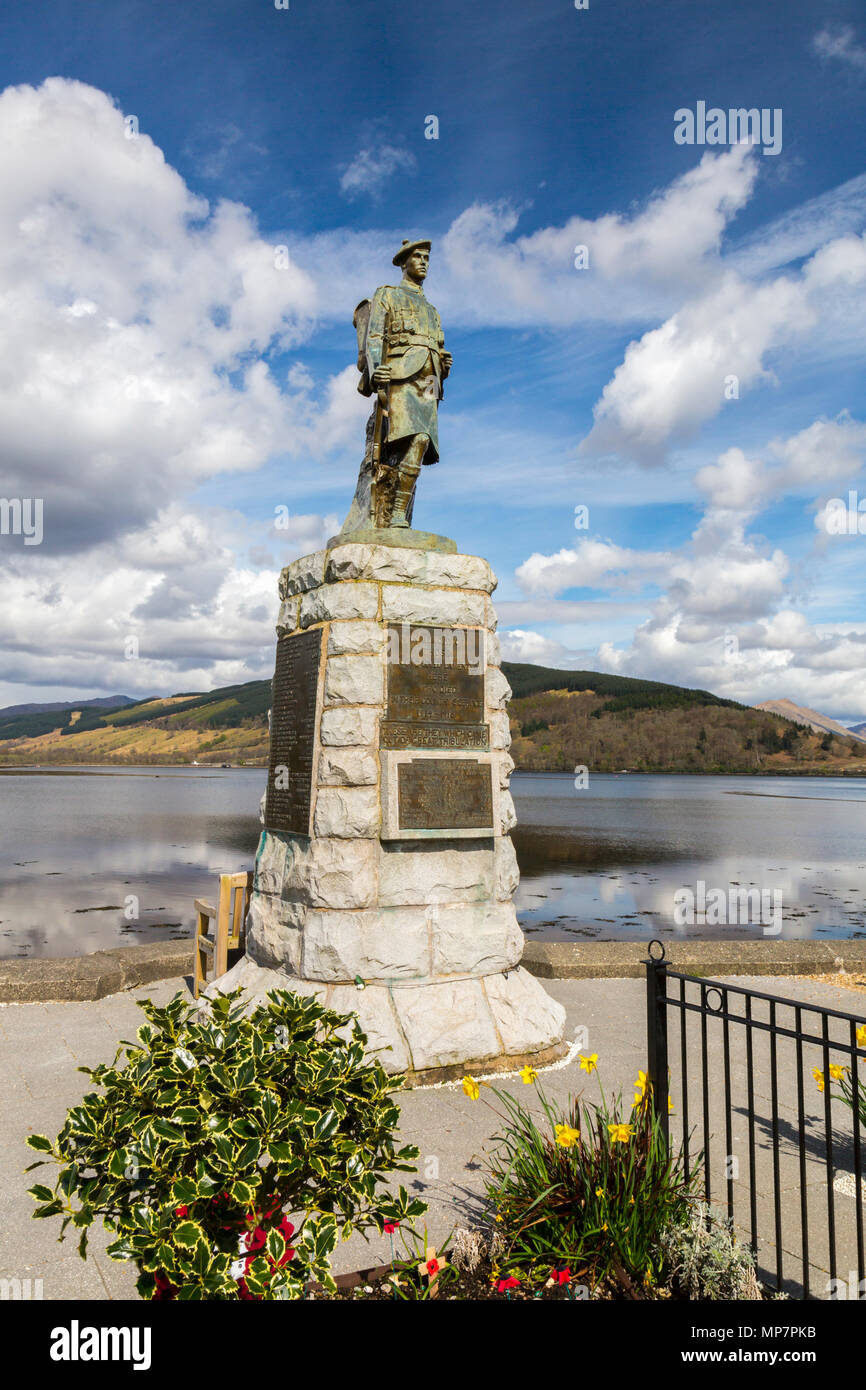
<point x="163" y="387"/>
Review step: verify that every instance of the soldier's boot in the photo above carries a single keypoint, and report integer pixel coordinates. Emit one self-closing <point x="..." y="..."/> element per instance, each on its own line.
<point x="384" y="491"/>
<point x="407" y="477"/>
<point x="404" y="494"/>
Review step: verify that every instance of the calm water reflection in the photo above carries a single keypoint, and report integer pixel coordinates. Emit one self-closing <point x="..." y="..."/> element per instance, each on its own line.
<point x="76" y="846"/>
<point x="605" y="862"/>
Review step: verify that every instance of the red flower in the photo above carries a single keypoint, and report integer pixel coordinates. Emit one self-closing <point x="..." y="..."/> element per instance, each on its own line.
<point x="390" y="1227"/>
<point x="432" y="1266"/>
<point x="562" y="1276"/>
<point x="509" y="1283"/>
<point x="181" y="1211"/>
<point x="254" y="1240"/>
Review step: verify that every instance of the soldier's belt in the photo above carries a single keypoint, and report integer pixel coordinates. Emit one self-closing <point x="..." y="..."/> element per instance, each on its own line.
<point x="413" y="340"/>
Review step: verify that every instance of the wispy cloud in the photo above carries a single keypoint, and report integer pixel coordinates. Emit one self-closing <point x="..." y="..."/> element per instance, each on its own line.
<point x="840" y="41"/>
<point x="372" y="167"/>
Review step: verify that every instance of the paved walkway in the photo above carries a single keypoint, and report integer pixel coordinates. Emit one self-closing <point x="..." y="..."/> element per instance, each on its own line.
<point x="41" y="1045"/>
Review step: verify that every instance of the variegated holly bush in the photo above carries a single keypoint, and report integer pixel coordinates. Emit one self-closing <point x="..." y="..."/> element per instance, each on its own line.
<point x="229" y="1152"/>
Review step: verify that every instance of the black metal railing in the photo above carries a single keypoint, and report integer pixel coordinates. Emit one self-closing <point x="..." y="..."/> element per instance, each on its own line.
<point x="800" y="1200"/>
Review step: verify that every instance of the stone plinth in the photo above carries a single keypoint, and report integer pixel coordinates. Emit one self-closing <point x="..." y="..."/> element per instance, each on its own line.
<point x="385" y="873"/>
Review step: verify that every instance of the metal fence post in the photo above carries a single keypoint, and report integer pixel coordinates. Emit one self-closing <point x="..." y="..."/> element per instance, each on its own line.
<point x="657" y="1035"/>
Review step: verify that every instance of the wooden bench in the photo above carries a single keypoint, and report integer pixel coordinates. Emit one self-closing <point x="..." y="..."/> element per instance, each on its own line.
<point x="229" y="916"/>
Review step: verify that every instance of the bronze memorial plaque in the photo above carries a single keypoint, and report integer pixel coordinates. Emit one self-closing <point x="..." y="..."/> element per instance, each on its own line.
<point x="445" y="794"/>
<point x="435" y="689"/>
<point x="293" y="732"/>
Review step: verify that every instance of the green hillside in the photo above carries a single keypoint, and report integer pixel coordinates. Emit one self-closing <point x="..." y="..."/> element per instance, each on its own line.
<point x="230" y="705"/>
<point x="622" y="692"/>
<point x="559" y="720"/>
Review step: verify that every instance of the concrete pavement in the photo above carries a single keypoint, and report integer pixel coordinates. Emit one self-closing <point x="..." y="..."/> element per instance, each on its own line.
<point x="41" y="1045"/>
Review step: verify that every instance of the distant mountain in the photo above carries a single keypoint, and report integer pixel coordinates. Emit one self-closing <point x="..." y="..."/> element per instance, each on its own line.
<point x="52" y="706"/>
<point x="858" y="729"/>
<point x="820" y="723"/>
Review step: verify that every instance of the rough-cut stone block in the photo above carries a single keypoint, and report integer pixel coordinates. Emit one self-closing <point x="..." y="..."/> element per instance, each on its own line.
<point x="527" y="1018"/>
<point x="347" y="637"/>
<point x="348" y="767"/>
<point x="446" y="1023"/>
<point x="331" y="873"/>
<point x="287" y="618"/>
<point x="347" y="812"/>
<point x="399" y="565"/>
<point x="506" y="767"/>
<point x="422" y="876"/>
<point x="500" y="730"/>
<point x="494" y="650"/>
<point x="396" y="944"/>
<point x="273" y="935"/>
<point x="490" y="619"/>
<point x="332" y="946"/>
<point x="507" y="872"/>
<point x="498" y="691"/>
<point x="438" y="607"/>
<point x="270" y="863"/>
<point x="336" y="601"/>
<point x="459" y="572"/>
<point x="395" y="564"/>
<point x="378" y="1020"/>
<point x="348" y="728"/>
<point x="303" y="574"/>
<point x="255" y="980"/>
<point x="475" y="938"/>
<point x="390" y="945"/>
<point x="354" y="680"/>
<point x="507" y="813"/>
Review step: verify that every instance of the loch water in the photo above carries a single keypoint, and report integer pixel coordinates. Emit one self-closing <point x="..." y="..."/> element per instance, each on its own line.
<point x="103" y="857"/>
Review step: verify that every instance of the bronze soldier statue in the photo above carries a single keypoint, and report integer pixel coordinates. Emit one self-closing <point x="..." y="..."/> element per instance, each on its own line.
<point x="401" y="357"/>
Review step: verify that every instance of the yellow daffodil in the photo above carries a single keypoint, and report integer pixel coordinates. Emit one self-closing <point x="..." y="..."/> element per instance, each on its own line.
<point x="566" y="1136"/>
<point x="620" y="1133"/>
<point x="604" y="1226"/>
<point x="599" y="1192"/>
<point x="861" y="1035"/>
<point x="631" y="1201"/>
<point x="640" y="1084"/>
<point x="471" y="1087"/>
<point x="589" y="1064"/>
<point x="528" y="1074"/>
<point x="670" y="1106"/>
<point x="836" y="1071"/>
<point x="819" y="1077"/>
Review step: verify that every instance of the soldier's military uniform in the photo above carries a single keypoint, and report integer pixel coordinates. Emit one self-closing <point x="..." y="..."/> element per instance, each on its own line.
<point x="398" y="329"/>
<point x="404" y="333"/>
<point x="401" y="330"/>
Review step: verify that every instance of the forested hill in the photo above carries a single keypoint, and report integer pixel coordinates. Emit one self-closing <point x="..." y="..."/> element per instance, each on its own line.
<point x="620" y="692"/>
<point x="559" y="720"/>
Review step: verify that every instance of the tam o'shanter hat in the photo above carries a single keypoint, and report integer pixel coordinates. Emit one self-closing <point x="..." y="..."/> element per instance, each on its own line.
<point x="407" y="248"/>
